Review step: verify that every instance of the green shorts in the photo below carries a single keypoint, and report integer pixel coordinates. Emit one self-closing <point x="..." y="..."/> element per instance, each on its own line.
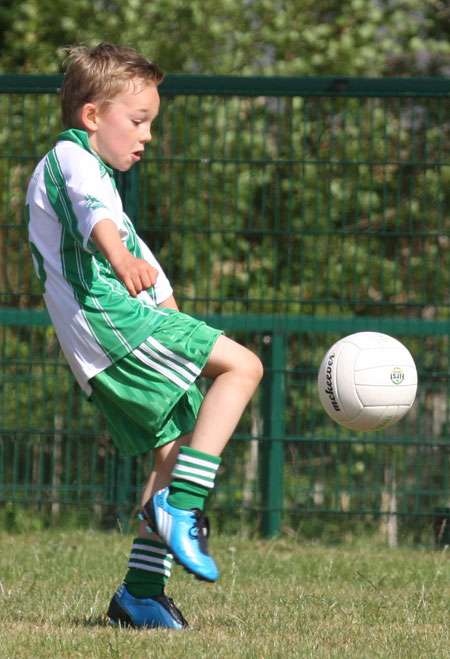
<point x="149" y="397"/>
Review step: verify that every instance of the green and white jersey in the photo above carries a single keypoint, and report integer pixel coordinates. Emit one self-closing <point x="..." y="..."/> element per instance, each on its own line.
<point x="96" y="320"/>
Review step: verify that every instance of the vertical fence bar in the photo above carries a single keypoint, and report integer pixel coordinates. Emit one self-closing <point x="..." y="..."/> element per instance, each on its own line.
<point x="128" y="186"/>
<point x="272" y="461"/>
<point x="123" y="491"/>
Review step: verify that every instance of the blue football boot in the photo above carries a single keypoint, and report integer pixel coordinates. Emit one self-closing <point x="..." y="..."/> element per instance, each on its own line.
<point x="129" y="611"/>
<point x="185" y="532"/>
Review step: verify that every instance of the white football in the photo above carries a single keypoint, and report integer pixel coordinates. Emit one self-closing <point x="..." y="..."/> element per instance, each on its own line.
<point x="367" y="381"/>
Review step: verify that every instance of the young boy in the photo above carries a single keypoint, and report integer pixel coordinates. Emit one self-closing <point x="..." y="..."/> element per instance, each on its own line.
<point x="135" y="355"/>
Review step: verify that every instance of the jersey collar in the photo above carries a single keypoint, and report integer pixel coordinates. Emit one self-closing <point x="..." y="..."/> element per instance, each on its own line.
<point x="80" y="137"/>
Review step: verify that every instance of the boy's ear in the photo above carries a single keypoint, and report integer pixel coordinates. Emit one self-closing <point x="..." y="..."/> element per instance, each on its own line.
<point x="89" y="116"/>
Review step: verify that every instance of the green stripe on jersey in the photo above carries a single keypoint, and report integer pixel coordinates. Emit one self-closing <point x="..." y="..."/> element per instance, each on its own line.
<point x="56" y="190"/>
<point x="41" y="274"/>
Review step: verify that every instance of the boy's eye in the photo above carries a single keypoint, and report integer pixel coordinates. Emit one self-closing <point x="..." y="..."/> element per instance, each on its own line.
<point x="137" y="122"/>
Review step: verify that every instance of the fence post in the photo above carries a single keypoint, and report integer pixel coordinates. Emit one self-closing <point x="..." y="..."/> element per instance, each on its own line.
<point x="272" y="461"/>
<point x="123" y="490"/>
<point x="128" y="186"/>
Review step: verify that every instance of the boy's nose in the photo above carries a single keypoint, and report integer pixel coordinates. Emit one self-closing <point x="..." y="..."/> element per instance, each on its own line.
<point x="146" y="135"/>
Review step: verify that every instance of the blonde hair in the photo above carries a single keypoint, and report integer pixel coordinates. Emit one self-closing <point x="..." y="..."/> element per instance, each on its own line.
<point x="98" y="75"/>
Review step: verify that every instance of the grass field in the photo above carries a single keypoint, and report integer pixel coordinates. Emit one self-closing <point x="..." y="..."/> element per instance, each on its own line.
<point x="274" y="599"/>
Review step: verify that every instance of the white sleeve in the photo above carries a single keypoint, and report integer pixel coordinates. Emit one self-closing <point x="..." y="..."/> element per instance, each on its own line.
<point x="89" y="192"/>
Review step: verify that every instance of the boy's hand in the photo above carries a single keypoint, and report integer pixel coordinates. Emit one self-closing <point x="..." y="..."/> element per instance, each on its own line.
<point x="136" y="274"/>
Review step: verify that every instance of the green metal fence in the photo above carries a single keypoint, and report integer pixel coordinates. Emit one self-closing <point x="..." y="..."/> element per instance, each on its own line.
<point x="290" y="212"/>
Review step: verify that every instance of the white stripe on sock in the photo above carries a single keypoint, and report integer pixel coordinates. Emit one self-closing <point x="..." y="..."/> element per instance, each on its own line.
<point x="189" y="478"/>
<point x="151" y="559"/>
<point x="198" y="461"/>
<point x="150" y="568"/>
<point x="184" y="469"/>
<point x="155" y="550"/>
<point x="199" y="481"/>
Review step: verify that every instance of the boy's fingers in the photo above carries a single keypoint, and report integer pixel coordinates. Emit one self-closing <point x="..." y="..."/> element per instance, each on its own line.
<point x="153" y="275"/>
<point x="140" y="277"/>
<point x="146" y="280"/>
<point x="130" y="286"/>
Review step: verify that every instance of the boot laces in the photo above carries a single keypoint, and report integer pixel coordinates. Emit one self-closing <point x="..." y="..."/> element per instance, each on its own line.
<point x="200" y="529"/>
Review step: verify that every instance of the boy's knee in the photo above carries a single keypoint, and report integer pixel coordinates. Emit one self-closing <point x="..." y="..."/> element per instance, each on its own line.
<point x="259" y="369"/>
<point x="253" y="367"/>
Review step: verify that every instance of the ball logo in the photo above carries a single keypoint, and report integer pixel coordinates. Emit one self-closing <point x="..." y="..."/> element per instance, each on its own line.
<point x="329" y="382"/>
<point x="397" y="375"/>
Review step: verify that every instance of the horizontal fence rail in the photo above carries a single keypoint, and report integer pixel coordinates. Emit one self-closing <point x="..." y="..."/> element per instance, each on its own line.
<point x="289" y="212"/>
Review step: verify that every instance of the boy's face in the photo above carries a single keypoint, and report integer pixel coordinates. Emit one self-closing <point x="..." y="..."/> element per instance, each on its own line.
<point x="119" y="133"/>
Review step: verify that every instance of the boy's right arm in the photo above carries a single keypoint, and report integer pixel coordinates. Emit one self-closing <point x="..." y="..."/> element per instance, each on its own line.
<point x="136" y="274"/>
<point x="170" y="303"/>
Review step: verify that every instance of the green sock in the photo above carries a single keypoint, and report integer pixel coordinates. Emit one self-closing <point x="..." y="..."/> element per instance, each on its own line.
<point x="149" y="568"/>
<point x="192" y="478"/>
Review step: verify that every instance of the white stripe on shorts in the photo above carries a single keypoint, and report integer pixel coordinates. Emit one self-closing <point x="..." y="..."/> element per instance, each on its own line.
<point x="173" y="355"/>
<point x="169" y="363"/>
<point x="163" y="370"/>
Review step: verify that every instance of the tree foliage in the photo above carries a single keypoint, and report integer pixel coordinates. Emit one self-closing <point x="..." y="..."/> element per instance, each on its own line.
<point x="259" y="37"/>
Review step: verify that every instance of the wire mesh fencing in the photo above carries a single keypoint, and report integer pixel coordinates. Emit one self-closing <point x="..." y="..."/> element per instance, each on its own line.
<point x="289" y="212"/>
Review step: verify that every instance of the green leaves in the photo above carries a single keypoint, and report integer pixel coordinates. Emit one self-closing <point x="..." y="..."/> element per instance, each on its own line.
<point x="264" y="38"/>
